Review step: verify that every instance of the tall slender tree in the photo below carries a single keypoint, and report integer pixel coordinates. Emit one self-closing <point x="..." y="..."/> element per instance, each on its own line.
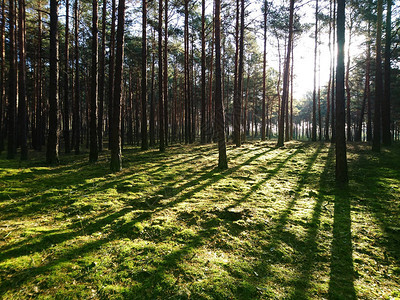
<point x="160" y="78"/>
<point x="2" y="66"/>
<point x="341" y="160"/>
<point x="376" y="140"/>
<point x="12" y="84"/>
<point x="145" y="144"/>
<point x="94" y="151"/>
<point x="66" y="133"/>
<point x="116" y="155"/>
<point x="203" y="73"/>
<point x="281" y="128"/>
<point x="111" y="70"/>
<point x="314" y="113"/>
<point x="386" y="136"/>
<point x="22" y="104"/>
<point x="238" y="104"/>
<point x="76" y="122"/>
<point x="165" y="78"/>
<point x="263" y="122"/>
<point x="100" y="122"/>
<point x="219" y="109"/>
<point x="53" y="136"/>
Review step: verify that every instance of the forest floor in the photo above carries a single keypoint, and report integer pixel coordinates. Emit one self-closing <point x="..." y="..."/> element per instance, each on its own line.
<point x="172" y="226"/>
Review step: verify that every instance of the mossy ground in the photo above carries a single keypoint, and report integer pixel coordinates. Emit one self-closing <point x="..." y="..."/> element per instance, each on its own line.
<point x="172" y="226"/>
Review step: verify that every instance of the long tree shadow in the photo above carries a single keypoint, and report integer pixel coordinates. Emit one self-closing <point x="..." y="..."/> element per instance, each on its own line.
<point x="341" y="283"/>
<point x="310" y="256"/>
<point x="97" y="223"/>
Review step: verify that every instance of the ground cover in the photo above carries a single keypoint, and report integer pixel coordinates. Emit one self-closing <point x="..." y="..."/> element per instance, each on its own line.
<point x="172" y="226"/>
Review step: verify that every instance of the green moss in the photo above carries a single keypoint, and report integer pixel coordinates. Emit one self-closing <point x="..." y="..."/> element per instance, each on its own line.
<point x="272" y="226"/>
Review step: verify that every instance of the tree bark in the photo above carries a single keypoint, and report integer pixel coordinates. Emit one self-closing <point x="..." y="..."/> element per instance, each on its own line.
<point x="263" y="122"/>
<point x="94" y="152"/>
<point x="67" y="140"/>
<point x="203" y="74"/>
<point x="2" y="72"/>
<point x="386" y="136"/>
<point x="100" y="122"/>
<point x="341" y="160"/>
<point x="376" y="140"/>
<point x="281" y="129"/>
<point x="116" y="155"/>
<point x="12" y="85"/>
<point x="111" y="75"/>
<point x="53" y="136"/>
<point x="22" y="104"/>
<point x="219" y="109"/>
<point x="348" y="95"/>
<point x="145" y="144"/>
<point x="160" y="78"/>
<point x="76" y="115"/>
<point x="314" y="114"/>
<point x="165" y="84"/>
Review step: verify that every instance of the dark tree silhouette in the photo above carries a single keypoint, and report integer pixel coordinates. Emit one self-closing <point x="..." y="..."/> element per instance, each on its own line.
<point x="386" y="136"/>
<point x="219" y="109"/>
<point x="341" y="160"/>
<point x="116" y="155"/>
<point x="145" y="144"/>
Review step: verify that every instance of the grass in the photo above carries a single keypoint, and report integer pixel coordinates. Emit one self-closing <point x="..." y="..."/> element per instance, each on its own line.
<point x="172" y="226"/>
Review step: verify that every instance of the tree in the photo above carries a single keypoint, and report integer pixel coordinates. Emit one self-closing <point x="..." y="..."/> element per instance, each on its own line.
<point x="12" y="85"/>
<point x="314" y="114"/>
<point x="203" y="74"/>
<point x="53" y="136"/>
<point x="102" y="76"/>
<point x="386" y="136"/>
<point x="165" y="78"/>
<point x="145" y="145"/>
<point x="66" y="81"/>
<point x="94" y="152"/>
<point x="111" y="75"/>
<point x="281" y="129"/>
<point x="22" y="109"/>
<point x="2" y="66"/>
<point x="237" y="104"/>
<point x="160" y="78"/>
<point x="116" y="155"/>
<point x="219" y="109"/>
<point x="76" y="122"/>
<point x="341" y="160"/>
<point x="376" y="140"/>
<point x="263" y="122"/>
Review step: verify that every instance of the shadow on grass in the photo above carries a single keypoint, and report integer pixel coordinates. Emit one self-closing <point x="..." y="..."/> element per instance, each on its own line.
<point x="119" y="228"/>
<point x="341" y="283"/>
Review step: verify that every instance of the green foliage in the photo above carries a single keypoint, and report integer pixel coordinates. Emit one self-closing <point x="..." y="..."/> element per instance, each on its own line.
<point x="173" y="226"/>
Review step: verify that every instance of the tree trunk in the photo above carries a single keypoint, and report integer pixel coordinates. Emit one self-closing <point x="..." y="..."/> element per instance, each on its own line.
<point x="66" y="134"/>
<point x="22" y="105"/>
<point x="145" y="144"/>
<point x="111" y="77"/>
<point x="12" y="85"/>
<point x="376" y="140"/>
<point x="237" y="107"/>
<point x="116" y="155"/>
<point x="160" y="78"/>
<point x="165" y="84"/>
<point x="386" y="136"/>
<point x="263" y="120"/>
<point x="348" y="96"/>
<point x="152" y="112"/>
<point x="203" y="74"/>
<point x="281" y="129"/>
<point x="341" y="160"/>
<point x="333" y="116"/>
<point x="53" y="136"/>
<point x="76" y="124"/>
<point x="100" y="122"/>
<point x="314" y="114"/>
<point x="2" y="66"/>
<point x="94" y="152"/>
<point x="219" y="109"/>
